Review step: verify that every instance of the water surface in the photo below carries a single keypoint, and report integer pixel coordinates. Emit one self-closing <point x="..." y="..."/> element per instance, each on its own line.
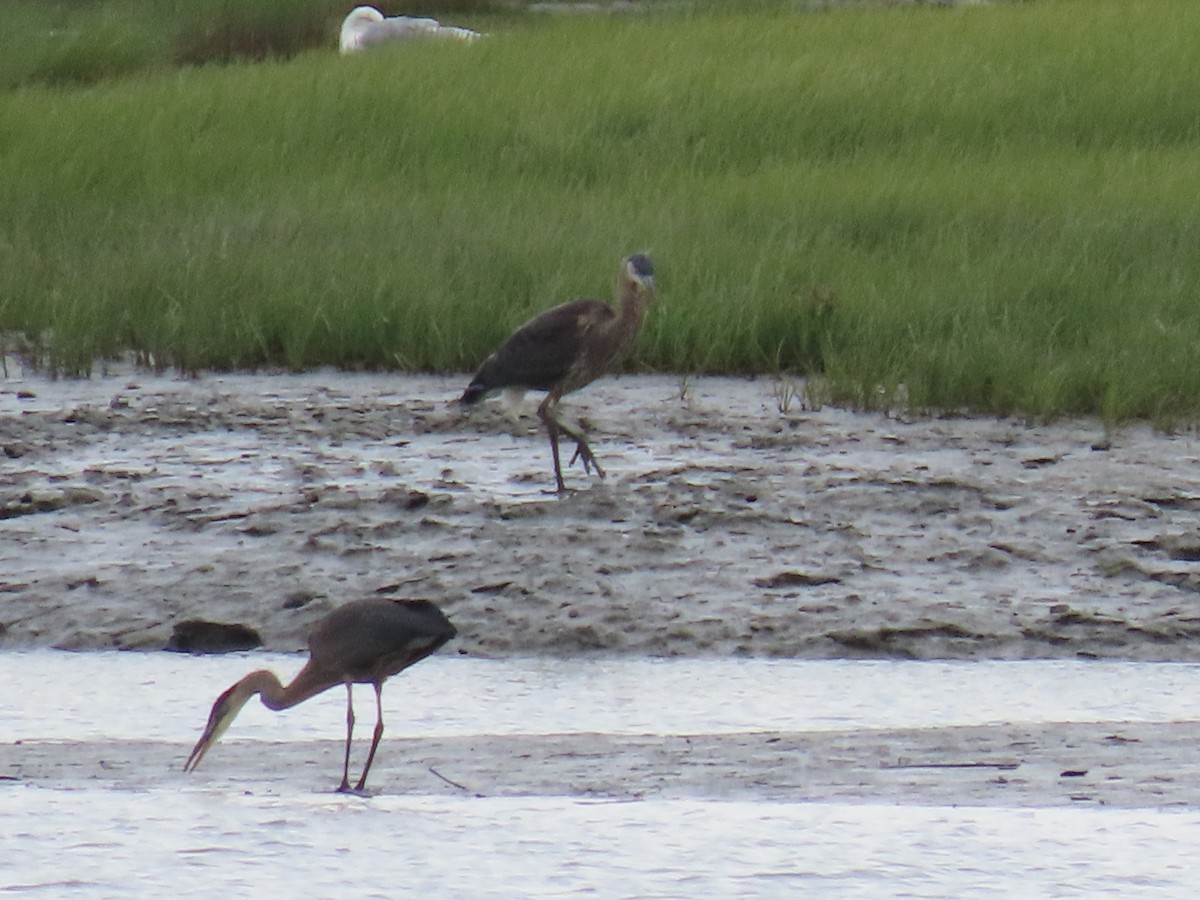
<point x="202" y="837"/>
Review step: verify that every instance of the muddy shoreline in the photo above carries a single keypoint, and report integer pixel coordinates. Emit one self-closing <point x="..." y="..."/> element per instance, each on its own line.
<point x="132" y="502"/>
<point x="1118" y="766"/>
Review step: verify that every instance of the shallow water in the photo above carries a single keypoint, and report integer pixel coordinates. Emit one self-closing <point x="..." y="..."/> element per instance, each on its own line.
<point x="100" y="844"/>
<point x="92" y="841"/>
<point x="167" y="696"/>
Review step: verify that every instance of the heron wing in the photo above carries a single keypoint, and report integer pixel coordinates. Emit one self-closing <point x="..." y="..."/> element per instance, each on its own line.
<point x="367" y="639"/>
<point x="397" y="28"/>
<point x="541" y="352"/>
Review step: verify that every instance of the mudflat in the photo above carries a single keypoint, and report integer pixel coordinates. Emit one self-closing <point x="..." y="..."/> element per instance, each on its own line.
<point x="732" y="520"/>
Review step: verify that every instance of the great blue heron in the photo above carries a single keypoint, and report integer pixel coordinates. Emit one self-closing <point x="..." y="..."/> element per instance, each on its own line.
<point x="566" y="348"/>
<point x="366" y="26"/>
<point x="362" y="642"/>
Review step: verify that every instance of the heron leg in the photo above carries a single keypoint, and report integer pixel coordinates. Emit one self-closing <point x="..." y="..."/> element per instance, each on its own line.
<point x="546" y="414"/>
<point x="345" y="785"/>
<point x="375" y="740"/>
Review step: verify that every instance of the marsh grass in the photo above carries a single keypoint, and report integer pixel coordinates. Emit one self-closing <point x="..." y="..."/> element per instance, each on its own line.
<point x="965" y="209"/>
<point x="87" y="41"/>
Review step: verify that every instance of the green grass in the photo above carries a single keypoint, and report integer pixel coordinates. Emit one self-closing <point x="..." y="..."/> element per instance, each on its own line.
<point x="980" y="209"/>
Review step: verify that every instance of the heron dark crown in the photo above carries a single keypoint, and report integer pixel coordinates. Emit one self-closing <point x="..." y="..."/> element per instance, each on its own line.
<point x="641" y="266"/>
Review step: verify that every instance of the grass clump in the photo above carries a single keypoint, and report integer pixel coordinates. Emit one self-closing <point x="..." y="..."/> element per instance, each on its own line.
<point x="966" y="209"/>
<point x="73" y="43"/>
<point x="227" y="30"/>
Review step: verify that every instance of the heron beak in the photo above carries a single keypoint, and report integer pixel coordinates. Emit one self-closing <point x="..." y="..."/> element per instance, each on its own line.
<point x="198" y="752"/>
<point x="223" y="713"/>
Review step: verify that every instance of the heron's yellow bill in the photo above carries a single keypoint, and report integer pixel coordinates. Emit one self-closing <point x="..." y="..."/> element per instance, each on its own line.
<point x="224" y="711"/>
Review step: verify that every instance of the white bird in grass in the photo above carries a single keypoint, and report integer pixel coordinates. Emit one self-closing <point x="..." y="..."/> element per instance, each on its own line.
<point x="366" y="27"/>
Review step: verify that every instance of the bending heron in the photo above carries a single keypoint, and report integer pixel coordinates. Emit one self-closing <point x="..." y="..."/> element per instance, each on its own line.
<point x="366" y="27"/>
<point x="565" y="349"/>
<point x="362" y="642"/>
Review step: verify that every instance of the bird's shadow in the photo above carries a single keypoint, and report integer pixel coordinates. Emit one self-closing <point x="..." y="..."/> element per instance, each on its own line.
<point x="361" y="793"/>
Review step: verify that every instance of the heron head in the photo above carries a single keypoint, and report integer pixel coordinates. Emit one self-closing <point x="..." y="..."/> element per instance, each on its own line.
<point x="224" y="711"/>
<point x="639" y="271"/>
<point x="354" y="25"/>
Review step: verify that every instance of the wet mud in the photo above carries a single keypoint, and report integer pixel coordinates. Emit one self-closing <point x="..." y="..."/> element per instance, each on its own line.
<point x="732" y="521"/>
<point x="1103" y="764"/>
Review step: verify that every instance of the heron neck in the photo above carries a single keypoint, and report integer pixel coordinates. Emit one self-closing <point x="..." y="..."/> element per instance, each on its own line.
<point x="631" y="310"/>
<point x="273" y="694"/>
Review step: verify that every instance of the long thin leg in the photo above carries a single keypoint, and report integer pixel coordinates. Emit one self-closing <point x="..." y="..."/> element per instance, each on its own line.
<point x="546" y="414"/>
<point x="378" y="734"/>
<point x="345" y="785"/>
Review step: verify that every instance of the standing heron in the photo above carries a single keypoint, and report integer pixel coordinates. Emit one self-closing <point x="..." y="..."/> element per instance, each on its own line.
<point x="566" y="348"/>
<point x="362" y="642"/>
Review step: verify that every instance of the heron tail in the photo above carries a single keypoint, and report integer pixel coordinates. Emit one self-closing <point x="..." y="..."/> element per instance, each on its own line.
<point x="473" y="394"/>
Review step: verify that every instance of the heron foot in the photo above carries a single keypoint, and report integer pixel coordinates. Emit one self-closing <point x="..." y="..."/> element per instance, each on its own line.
<point x="584" y="454"/>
